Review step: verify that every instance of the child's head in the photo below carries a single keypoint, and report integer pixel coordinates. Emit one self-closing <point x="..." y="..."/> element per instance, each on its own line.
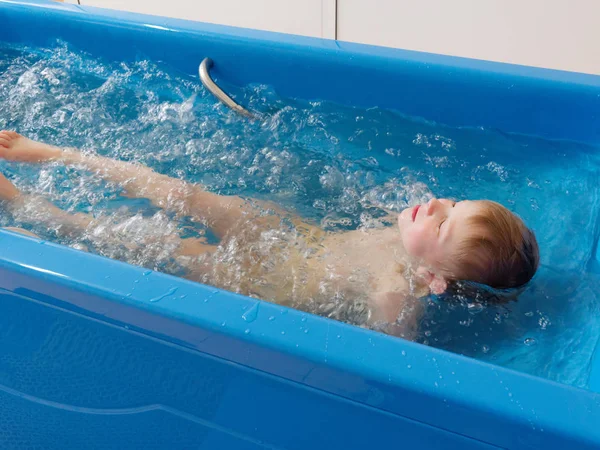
<point x="478" y="241"/>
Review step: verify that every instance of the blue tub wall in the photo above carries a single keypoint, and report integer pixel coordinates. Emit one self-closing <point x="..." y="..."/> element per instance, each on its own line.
<point x="91" y="383"/>
<point x="89" y="359"/>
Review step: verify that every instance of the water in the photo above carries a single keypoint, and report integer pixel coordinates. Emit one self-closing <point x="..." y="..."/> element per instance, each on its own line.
<point x="337" y="166"/>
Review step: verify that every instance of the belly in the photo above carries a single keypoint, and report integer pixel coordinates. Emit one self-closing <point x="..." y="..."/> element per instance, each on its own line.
<point x="276" y="264"/>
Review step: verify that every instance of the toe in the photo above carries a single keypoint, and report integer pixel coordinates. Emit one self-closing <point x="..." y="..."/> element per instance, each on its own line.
<point x="9" y="134"/>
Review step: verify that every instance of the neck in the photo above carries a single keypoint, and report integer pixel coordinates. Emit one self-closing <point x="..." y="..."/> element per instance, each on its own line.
<point x="390" y="234"/>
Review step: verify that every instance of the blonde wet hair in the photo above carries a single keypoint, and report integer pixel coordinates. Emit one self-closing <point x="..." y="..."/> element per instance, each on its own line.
<point x="500" y="252"/>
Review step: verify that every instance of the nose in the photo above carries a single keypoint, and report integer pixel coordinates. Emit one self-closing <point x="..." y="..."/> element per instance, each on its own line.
<point x="432" y="206"/>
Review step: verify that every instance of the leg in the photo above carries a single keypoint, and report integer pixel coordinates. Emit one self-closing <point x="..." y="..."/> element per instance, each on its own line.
<point x="194" y="247"/>
<point x="219" y="212"/>
<point x="75" y="224"/>
<point x="21" y="231"/>
<point x="45" y="212"/>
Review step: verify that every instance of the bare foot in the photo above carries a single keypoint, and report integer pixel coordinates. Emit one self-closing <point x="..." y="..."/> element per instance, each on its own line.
<point x="14" y="147"/>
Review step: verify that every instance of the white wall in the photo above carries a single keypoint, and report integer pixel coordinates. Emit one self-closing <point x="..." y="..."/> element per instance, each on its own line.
<point x="559" y="34"/>
<point x="305" y="17"/>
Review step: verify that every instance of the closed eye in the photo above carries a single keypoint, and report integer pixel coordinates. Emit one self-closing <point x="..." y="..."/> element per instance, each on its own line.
<point x="442" y="222"/>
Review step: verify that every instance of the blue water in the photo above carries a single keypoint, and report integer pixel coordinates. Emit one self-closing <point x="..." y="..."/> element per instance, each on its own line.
<point x="333" y="164"/>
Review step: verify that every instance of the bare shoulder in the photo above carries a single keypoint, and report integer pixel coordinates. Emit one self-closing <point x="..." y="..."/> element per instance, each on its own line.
<point x="400" y="309"/>
<point x="387" y="305"/>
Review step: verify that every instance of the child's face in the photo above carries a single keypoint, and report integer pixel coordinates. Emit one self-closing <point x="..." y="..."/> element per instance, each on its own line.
<point x="431" y="232"/>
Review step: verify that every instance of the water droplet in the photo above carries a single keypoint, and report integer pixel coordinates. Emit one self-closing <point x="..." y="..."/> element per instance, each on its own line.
<point x="403" y="353"/>
<point x="475" y="308"/>
<point x="544" y="322"/>
<point x="409" y="367"/>
<point x="306" y="331"/>
<point x="271" y="318"/>
<point x="529" y="313"/>
<point x="339" y="336"/>
<point x="223" y="324"/>
<point x="436" y="384"/>
<point x="147" y="272"/>
<point x="136" y="281"/>
<point x="303" y="319"/>
<point x="283" y="332"/>
<point x="183" y="296"/>
<point x="166" y="294"/>
<point x="485" y="349"/>
<point x="457" y="382"/>
<point x="529" y="342"/>
<point x="247" y="331"/>
<point x="251" y="314"/>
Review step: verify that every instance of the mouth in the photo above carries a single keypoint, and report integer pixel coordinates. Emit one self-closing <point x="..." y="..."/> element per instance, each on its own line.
<point x="415" y="211"/>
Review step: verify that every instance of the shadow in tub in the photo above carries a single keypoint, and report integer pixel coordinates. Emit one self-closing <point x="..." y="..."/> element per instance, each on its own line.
<point x="521" y="334"/>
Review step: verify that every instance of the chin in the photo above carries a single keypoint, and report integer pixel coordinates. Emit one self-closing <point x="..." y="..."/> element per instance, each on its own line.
<point x="404" y="218"/>
<point x="406" y="243"/>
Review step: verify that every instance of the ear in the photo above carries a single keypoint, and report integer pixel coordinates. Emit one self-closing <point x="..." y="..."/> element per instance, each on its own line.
<point x="436" y="283"/>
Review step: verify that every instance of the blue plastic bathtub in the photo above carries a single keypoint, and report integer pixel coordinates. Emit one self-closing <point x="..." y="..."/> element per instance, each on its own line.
<point x="89" y="361"/>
